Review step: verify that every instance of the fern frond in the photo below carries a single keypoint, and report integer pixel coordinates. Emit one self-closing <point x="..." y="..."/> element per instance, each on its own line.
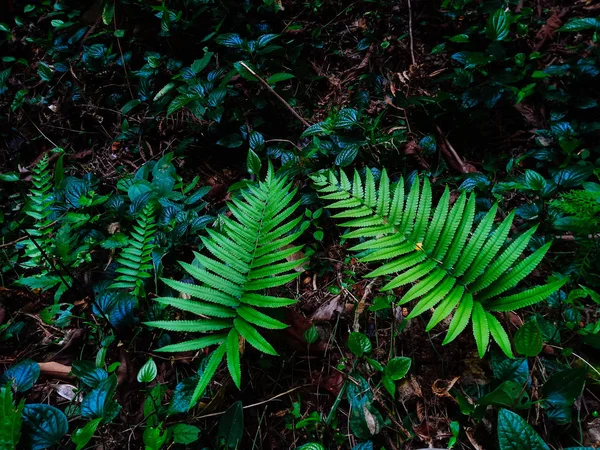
<point x="136" y="259"/>
<point x="436" y="251"/>
<point x="248" y="256"/>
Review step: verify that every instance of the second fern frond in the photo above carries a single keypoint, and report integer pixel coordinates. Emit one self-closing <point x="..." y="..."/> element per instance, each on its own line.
<point x="448" y="265"/>
<point x="249" y="256"/>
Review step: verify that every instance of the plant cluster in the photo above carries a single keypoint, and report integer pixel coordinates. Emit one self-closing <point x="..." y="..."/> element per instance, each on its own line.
<point x="268" y="225"/>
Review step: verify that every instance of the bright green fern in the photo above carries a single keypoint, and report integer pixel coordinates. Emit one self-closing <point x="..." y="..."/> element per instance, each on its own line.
<point x="41" y="243"/>
<point x="448" y="265"/>
<point x="136" y="259"/>
<point x="39" y="208"/>
<point x="249" y="256"/>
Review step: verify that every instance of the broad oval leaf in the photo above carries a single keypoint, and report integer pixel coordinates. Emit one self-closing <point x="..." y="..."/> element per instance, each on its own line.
<point x="44" y="425"/>
<point x="514" y="433"/>
<point x="528" y="339"/>
<point x="148" y="372"/>
<point x="498" y="25"/>
<point x="398" y="367"/>
<point x="359" y="344"/>
<point x="185" y="434"/>
<point x="23" y="374"/>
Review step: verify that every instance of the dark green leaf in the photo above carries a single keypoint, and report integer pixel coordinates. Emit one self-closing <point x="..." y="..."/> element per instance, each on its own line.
<point x="346" y="156"/>
<point x="311" y="335"/>
<point x="528" y="339"/>
<point x="514" y="433"/>
<point x="231" y="141"/>
<point x="253" y="163"/>
<point x="184" y="433"/>
<point x="100" y="402"/>
<point x="398" y="367"/>
<point x="200" y="64"/>
<point x="276" y="78"/>
<point x="359" y="344"/>
<point x="498" y="25"/>
<point x="231" y="425"/>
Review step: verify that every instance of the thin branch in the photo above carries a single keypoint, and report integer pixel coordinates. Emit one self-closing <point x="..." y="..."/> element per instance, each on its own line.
<point x="410" y="34"/>
<point x="252" y="405"/>
<point x="281" y="99"/>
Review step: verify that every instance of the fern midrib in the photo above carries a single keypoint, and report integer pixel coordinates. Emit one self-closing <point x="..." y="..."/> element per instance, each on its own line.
<point x="385" y="221"/>
<point x="255" y="247"/>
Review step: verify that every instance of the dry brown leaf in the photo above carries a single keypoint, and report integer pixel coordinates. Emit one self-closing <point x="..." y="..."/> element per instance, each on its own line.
<point x="296" y="257"/>
<point x="326" y="311"/>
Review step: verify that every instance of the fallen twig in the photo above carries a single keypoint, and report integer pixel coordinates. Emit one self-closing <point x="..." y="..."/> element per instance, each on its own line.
<point x="447" y="147"/>
<point x="281" y="99"/>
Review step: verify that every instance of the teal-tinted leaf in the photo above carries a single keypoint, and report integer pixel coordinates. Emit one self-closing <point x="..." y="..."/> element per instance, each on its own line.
<point x="581" y="24"/>
<point x="346" y="156"/>
<point x="528" y="339"/>
<point x="506" y="369"/>
<point x="148" y="372"/>
<point x="365" y="419"/>
<point x="44" y="426"/>
<point x="498" y="25"/>
<point x="82" y="436"/>
<point x="256" y="140"/>
<point x="398" y="367"/>
<point x="311" y="446"/>
<point x="514" y="433"/>
<point x="232" y="40"/>
<point x="100" y="402"/>
<point x="88" y="373"/>
<point x="474" y="181"/>
<point x="363" y="446"/>
<point x="571" y="177"/>
<point x="359" y="344"/>
<point x="276" y="78"/>
<point x="265" y="39"/>
<point x="534" y="180"/>
<point x="347" y="118"/>
<point x="185" y="434"/>
<point x="4" y="27"/>
<point x="23" y="375"/>
<point x="182" y="395"/>
<point x="45" y="72"/>
<point x="314" y="130"/>
<point x="231" y="425"/>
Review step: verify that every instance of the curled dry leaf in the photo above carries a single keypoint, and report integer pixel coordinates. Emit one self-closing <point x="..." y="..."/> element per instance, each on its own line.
<point x="67" y="391"/>
<point x="441" y="387"/>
